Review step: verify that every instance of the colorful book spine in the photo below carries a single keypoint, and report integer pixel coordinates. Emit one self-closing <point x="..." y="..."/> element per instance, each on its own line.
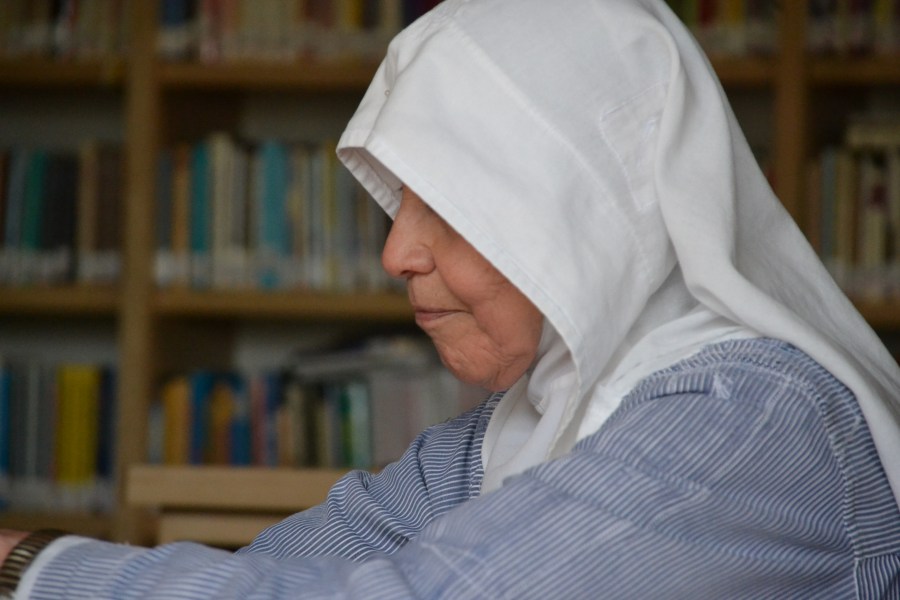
<point x="200" y="218"/>
<point x="274" y="215"/>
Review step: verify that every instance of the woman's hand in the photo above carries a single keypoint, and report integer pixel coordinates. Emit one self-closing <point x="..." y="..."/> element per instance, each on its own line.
<point x="8" y="540"/>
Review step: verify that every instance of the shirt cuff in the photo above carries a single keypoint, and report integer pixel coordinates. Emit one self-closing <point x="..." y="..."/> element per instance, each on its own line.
<point x="43" y="557"/>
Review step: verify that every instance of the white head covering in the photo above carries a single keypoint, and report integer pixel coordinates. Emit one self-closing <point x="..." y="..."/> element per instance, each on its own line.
<point x="587" y="150"/>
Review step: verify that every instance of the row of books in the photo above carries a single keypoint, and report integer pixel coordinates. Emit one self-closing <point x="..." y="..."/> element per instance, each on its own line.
<point x="60" y="214"/>
<point x="730" y="27"/>
<point x="56" y="436"/>
<point x="854" y="27"/>
<point x="270" y="215"/>
<point x="855" y="188"/>
<point x="749" y="27"/>
<point x="64" y="29"/>
<point x="358" y="409"/>
<point x="286" y="30"/>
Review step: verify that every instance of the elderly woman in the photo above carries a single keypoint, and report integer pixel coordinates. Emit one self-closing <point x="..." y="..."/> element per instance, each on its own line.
<point x="686" y="406"/>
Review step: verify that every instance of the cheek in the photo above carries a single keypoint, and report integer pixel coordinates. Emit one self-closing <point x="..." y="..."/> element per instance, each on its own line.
<point x="513" y="325"/>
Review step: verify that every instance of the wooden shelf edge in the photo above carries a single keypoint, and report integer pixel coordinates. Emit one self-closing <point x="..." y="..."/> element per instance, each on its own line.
<point x="310" y="76"/>
<point x="745" y="71"/>
<point x="389" y="307"/>
<point x="876" y="70"/>
<point x="91" y="525"/>
<point x="52" y="73"/>
<point x="228" y="488"/>
<point x="59" y="300"/>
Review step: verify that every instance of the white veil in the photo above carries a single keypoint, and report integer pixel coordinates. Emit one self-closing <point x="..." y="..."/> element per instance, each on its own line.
<point x="588" y="151"/>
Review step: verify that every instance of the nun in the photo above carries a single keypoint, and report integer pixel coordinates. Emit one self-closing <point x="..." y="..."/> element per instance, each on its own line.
<point x="680" y="402"/>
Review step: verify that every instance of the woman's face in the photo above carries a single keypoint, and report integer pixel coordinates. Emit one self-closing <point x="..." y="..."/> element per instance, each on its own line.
<point x="485" y="330"/>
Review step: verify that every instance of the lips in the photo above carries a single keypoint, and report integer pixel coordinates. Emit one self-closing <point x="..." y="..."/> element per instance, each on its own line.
<point x="426" y="316"/>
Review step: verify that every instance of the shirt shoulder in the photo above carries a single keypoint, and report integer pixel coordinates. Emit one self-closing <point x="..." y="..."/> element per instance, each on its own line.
<point x="760" y="428"/>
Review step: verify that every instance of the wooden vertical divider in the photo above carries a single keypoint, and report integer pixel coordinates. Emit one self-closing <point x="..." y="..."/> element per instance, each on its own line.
<point x="136" y="318"/>
<point x="792" y="107"/>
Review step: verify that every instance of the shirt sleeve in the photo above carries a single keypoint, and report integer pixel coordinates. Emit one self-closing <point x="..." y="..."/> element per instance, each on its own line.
<point x="717" y="486"/>
<point x="366" y="513"/>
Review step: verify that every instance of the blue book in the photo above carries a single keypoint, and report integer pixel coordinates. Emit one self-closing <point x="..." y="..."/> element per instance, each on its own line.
<point x="106" y="465"/>
<point x="200" y="218"/>
<point x="5" y="431"/>
<point x="273" y="235"/>
<point x="241" y="429"/>
<point x="164" y="172"/>
<point x="201" y="387"/>
<point x="32" y="210"/>
<point x="272" y="403"/>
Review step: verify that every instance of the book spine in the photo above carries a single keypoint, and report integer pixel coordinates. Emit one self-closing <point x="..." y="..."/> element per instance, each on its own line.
<point x="6" y="391"/>
<point x="200" y="217"/>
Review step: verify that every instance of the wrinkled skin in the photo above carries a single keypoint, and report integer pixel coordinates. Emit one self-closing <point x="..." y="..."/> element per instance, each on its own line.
<point x="485" y="330"/>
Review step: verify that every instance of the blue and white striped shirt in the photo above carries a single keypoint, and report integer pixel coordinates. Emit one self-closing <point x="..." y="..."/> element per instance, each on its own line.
<point x="745" y="471"/>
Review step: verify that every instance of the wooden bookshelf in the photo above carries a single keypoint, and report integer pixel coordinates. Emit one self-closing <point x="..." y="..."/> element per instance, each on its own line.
<point x="229" y="488"/>
<point x="144" y="315"/>
<point x="338" y="76"/>
<point x="44" y="73"/>
<point x="869" y="71"/>
<point x="381" y="307"/>
<point x="223" y="506"/>
<point x="87" y="524"/>
<point x="741" y="72"/>
<point x="71" y="300"/>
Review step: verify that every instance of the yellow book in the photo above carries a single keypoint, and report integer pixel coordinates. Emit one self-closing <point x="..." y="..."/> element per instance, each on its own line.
<point x="222" y="409"/>
<point x="177" y="410"/>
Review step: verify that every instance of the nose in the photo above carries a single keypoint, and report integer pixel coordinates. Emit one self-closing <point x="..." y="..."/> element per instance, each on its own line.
<point x="406" y="250"/>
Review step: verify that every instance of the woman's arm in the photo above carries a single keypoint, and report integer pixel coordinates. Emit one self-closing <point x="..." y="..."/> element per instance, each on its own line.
<point x="367" y="513"/>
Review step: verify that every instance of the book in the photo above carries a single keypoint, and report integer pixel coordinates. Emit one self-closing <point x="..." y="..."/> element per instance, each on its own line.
<point x="892" y="186"/>
<point x="105" y="491"/>
<point x="58" y="220"/>
<point x="4" y="192"/>
<point x="102" y="261"/>
<point x="200" y="218"/>
<point x="272" y="250"/>
<point x="163" y="264"/>
<point x="32" y="211"/>
<point x="176" y="37"/>
<point x="176" y="402"/>
<point x="5" y="431"/>
<point x="10" y="264"/>
<point x="845" y="217"/>
<point x="872" y="242"/>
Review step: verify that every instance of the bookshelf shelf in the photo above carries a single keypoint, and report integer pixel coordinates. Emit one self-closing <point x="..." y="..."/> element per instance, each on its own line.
<point x="384" y="307"/>
<point x="300" y="76"/>
<point x="75" y="300"/>
<point x="745" y="71"/>
<point x="62" y="74"/>
<point x="223" y="506"/>
<point x="884" y="70"/>
<point x="91" y="525"/>
<point x="249" y="488"/>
